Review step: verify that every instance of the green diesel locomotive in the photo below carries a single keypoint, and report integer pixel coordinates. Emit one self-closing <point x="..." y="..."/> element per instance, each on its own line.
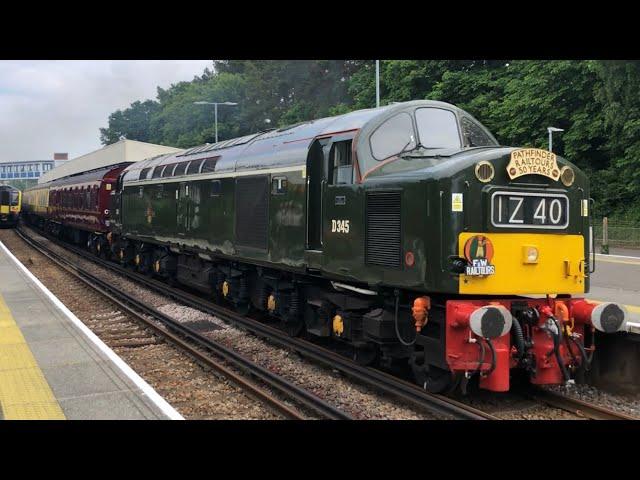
<point x="405" y="232"/>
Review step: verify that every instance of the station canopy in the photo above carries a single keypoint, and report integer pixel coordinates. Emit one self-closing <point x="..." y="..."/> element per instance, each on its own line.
<point x="114" y="154"/>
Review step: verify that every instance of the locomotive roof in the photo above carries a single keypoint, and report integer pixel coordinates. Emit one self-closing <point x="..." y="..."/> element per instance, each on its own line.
<point x="283" y="147"/>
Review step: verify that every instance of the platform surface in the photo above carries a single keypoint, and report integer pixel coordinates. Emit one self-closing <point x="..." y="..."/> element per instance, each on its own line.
<point x="53" y="367"/>
<point x="617" y="279"/>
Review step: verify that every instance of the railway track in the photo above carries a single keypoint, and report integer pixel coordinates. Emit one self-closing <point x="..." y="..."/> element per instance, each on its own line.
<point x="407" y="392"/>
<point x="382" y="381"/>
<point x="576" y="406"/>
<point x="192" y="343"/>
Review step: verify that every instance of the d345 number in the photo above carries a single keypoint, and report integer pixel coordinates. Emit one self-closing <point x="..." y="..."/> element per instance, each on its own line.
<point x="340" y="226"/>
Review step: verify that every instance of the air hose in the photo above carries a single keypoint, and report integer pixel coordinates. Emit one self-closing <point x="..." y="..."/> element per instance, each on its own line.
<point x="519" y="337"/>
<point x="557" y="336"/>
<point x="585" y="358"/>
<point x="482" y="354"/>
<point x="566" y="342"/>
<point x="402" y="341"/>
<point x="493" y="357"/>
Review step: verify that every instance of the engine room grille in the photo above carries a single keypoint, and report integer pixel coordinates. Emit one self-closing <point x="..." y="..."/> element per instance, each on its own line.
<point x="252" y="212"/>
<point x="383" y="229"/>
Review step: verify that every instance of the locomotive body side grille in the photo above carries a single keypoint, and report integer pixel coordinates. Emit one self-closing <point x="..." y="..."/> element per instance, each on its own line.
<point x="383" y="229"/>
<point x="252" y="211"/>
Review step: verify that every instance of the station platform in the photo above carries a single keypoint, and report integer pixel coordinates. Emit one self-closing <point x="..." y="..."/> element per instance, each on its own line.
<point x="52" y="367"/>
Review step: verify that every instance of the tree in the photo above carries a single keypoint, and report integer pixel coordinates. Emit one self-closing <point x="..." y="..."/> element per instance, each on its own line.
<point x="595" y="102"/>
<point x="133" y="123"/>
<point x="617" y="94"/>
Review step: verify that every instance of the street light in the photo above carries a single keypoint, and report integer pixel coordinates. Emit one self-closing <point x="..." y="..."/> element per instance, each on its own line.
<point x="551" y="130"/>
<point x="231" y="104"/>
<point x="377" y="83"/>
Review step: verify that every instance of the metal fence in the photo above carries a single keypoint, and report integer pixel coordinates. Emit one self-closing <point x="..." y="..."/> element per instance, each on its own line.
<point x="616" y="234"/>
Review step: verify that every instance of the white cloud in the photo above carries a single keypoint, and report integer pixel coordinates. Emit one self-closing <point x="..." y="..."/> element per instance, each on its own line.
<point x="58" y="106"/>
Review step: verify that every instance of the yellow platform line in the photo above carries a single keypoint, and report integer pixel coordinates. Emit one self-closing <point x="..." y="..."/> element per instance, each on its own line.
<point x="614" y="260"/>
<point x="24" y="391"/>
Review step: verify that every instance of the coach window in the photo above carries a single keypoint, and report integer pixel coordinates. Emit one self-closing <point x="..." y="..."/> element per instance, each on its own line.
<point x="341" y="164"/>
<point x="94" y="198"/>
<point x="216" y="188"/>
<point x="392" y="137"/>
<point x="141" y="192"/>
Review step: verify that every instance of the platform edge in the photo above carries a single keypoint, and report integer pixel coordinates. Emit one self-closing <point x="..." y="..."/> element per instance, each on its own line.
<point x="147" y="389"/>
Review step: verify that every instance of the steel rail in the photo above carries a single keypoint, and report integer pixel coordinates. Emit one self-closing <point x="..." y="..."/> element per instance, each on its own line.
<point x="134" y="306"/>
<point x="577" y="406"/>
<point x="382" y="381"/>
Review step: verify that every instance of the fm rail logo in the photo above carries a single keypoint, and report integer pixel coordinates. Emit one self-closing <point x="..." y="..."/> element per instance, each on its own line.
<point x="478" y="250"/>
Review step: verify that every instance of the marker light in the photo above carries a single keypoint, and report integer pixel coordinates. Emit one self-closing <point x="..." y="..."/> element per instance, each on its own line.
<point x="529" y="254"/>
<point x="485" y="171"/>
<point x="567" y="176"/>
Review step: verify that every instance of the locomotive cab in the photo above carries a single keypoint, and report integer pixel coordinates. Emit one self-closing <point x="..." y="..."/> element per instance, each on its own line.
<point x="427" y="200"/>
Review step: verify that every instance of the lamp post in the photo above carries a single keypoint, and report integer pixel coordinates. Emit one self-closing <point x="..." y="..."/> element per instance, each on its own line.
<point x="377" y="83"/>
<point x="215" y="104"/>
<point x="551" y="130"/>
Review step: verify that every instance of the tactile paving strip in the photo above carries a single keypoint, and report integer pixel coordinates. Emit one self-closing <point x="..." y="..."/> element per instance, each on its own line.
<point x="24" y="391"/>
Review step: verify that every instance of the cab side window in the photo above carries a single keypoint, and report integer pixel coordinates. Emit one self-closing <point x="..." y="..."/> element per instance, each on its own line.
<point x="341" y="164"/>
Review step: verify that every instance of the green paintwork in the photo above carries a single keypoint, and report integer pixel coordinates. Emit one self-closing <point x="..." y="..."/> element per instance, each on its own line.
<point x="200" y="222"/>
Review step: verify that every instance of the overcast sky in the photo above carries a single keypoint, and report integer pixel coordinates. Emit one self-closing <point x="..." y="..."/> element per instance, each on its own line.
<point x="58" y="106"/>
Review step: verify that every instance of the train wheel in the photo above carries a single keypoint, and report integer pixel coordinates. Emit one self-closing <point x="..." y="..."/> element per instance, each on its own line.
<point x="365" y="355"/>
<point x="293" y="328"/>
<point x="437" y="380"/>
<point x="433" y="379"/>
<point x="243" y="308"/>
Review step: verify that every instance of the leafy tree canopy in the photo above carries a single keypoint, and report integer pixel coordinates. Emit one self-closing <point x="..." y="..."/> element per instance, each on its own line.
<point x="595" y="102"/>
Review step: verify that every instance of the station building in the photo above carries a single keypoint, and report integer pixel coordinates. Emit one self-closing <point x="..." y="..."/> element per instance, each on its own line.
<point x="27" y="172"/>
<point x="113" y="154"/>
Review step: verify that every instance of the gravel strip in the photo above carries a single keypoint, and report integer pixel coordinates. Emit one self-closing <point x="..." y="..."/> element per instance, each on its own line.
<point x="625" y="403"/>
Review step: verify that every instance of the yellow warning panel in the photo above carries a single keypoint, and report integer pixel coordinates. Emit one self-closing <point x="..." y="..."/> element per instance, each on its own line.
<point x="24" y="391"/>
<point x="521" y="263"/>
